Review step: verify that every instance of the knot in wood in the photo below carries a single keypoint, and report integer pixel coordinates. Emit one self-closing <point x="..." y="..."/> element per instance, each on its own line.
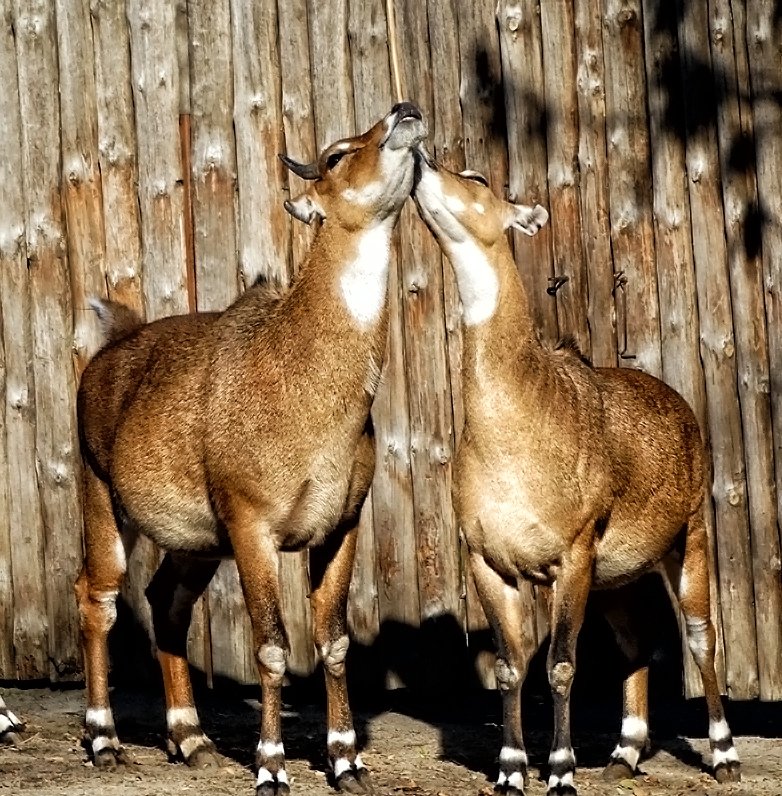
<point x="626" y="16"/>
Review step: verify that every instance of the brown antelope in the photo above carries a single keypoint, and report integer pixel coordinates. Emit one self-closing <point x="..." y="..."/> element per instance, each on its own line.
<point x="10" y="725"/>
<point x="579" y="477"/>
<point x="244" y="433"/>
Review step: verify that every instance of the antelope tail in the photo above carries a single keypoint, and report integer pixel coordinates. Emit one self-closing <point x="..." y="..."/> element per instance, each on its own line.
<point x="116" y="320"/>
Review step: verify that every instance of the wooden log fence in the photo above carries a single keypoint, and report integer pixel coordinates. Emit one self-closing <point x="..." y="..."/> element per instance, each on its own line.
<point x="138" y="160"/>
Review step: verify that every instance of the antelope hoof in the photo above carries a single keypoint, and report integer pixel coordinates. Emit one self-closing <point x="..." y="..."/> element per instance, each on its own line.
<point x="508" y="790"/>
<point x="617" y="770"/>
<point x="272" y="784"/>
<point x="273" y="788"/>
<point x="354" y="780"/>
<point x="10" y="738"/>
<point x="109" y="758"/>
<point x="562" y="790"/>
<point x="205" y="757"/>
<point x="728" y="772"/>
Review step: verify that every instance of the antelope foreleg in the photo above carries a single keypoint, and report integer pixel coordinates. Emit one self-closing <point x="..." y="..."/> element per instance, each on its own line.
<point x="331" y="568"/>
<point x="514" y="634"/>
<point x="570" y="593"/>
<point x="257" y="561"/>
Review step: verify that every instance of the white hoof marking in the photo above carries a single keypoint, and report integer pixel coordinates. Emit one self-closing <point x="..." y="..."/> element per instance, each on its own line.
<point x="345" y="738"/>
<point x="728" y="756"/>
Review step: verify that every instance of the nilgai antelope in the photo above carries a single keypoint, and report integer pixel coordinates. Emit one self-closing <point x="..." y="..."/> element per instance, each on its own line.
<point x="10" y="725"/>
<point x="579" y="477"/>
<point x="244" y="433"/>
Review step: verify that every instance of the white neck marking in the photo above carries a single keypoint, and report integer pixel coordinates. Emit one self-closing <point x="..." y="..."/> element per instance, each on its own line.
<point x="364" y="281"/>
<point x="479" y="285"/>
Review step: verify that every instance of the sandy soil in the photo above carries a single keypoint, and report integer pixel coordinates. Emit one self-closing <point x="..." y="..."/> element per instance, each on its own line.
<point x="413" y="749"/>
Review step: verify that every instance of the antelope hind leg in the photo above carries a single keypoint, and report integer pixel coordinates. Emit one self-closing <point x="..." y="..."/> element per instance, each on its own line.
<point x="177" y="584"/>
<point x="690" y="582"/>
<point x="96" y="593"/>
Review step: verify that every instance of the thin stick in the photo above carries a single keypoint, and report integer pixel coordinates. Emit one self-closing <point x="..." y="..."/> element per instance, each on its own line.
<point x="394" y="50"/>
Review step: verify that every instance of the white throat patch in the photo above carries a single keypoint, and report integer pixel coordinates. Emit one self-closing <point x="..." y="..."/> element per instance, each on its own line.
<point x="479" y="286"/>
<point x="364" y="282"/>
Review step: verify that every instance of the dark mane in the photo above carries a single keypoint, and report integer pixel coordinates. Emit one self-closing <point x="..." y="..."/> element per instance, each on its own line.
<point x="569" y="345"/>
<point x="267" y="293"/>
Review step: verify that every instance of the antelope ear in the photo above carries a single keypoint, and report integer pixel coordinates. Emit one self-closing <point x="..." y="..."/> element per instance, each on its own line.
<point x="526" y="219"/>
<point x="304" y="208"/>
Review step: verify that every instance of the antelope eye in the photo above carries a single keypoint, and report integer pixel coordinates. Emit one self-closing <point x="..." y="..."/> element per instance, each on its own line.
<point x="475" y="176"/>
<point x="334" y="158"/>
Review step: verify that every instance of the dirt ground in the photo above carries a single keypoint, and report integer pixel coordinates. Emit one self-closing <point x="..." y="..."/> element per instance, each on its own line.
<point x="413" y="748"/>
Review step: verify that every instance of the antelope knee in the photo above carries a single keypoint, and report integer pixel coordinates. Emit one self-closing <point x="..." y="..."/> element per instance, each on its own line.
<point x="333" y="654"/>
<point x="561" y="677"/>
<point x="97" y="610"/>
<point x="507" y="676"/>
<point x="273" y="660"/>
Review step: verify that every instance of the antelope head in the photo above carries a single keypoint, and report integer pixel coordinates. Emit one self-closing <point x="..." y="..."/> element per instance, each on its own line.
<point x="358" y="182"/>
<point x="458" y="207"/>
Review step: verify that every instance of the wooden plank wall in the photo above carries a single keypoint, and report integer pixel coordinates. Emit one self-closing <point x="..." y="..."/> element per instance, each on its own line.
<point x="138" y="161"/>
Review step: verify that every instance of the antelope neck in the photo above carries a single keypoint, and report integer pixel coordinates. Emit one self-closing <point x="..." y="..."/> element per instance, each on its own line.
<point x="497" y="347"/>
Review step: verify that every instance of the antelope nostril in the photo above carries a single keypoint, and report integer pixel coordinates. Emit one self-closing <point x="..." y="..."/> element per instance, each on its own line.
<point x="405" y="110"/>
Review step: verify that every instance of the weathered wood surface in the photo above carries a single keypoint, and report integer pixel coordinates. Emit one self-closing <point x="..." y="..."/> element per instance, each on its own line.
<point x="18" y="484"/>
<point x="525" y="119"/>
<point x="739" y="195"/>
<point x="676" y="268"/>
<point x="155" y="74"/>
<point x="56" y="445"/>
<point x="629" y="182"/>
<point x="653" y="136"/>
<point x="429" y="391"/>
<point x="718" y="351"/>
<point x="562" y="145"/>
<point x="81" y="181"/>
<point x="593" y="176"/>
<point x="764" y="51"/>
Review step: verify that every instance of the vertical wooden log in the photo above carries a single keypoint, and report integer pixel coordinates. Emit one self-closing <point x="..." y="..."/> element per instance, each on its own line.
<point x="213" y="190"/>
<point x="117" y="152"/>
<point x="739" y="194"/>
<point x="263" y="244"/>
<point x="161" y="196"/>
<point x="446" y="134"/>
<point x="56" y="443"/>
<point x="675" y="266"/>
<point x="155" y="80"/>
<point x="330" y="70"/>
<point x="214" y="156"/>
<point x="562" y="146"/>
<point x="729" y="490"/>
<point x="6" y="577"/>
<point x="121" y="226"/>
<point x="367" y="35"/>
<point x="429" y="394"/>
<point x="297" y="118"/>
<point x="593" y="170"/>
<point x="764" y="50"/>
<point x="82" y="192"/>
<point x="525" y="127"/>
<point x="394" y="575"/>
<point x="630" y="183"/>
<point x="515" y="63"/>
<point x="297" y="109"/>
<point x="22" y="625"/>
